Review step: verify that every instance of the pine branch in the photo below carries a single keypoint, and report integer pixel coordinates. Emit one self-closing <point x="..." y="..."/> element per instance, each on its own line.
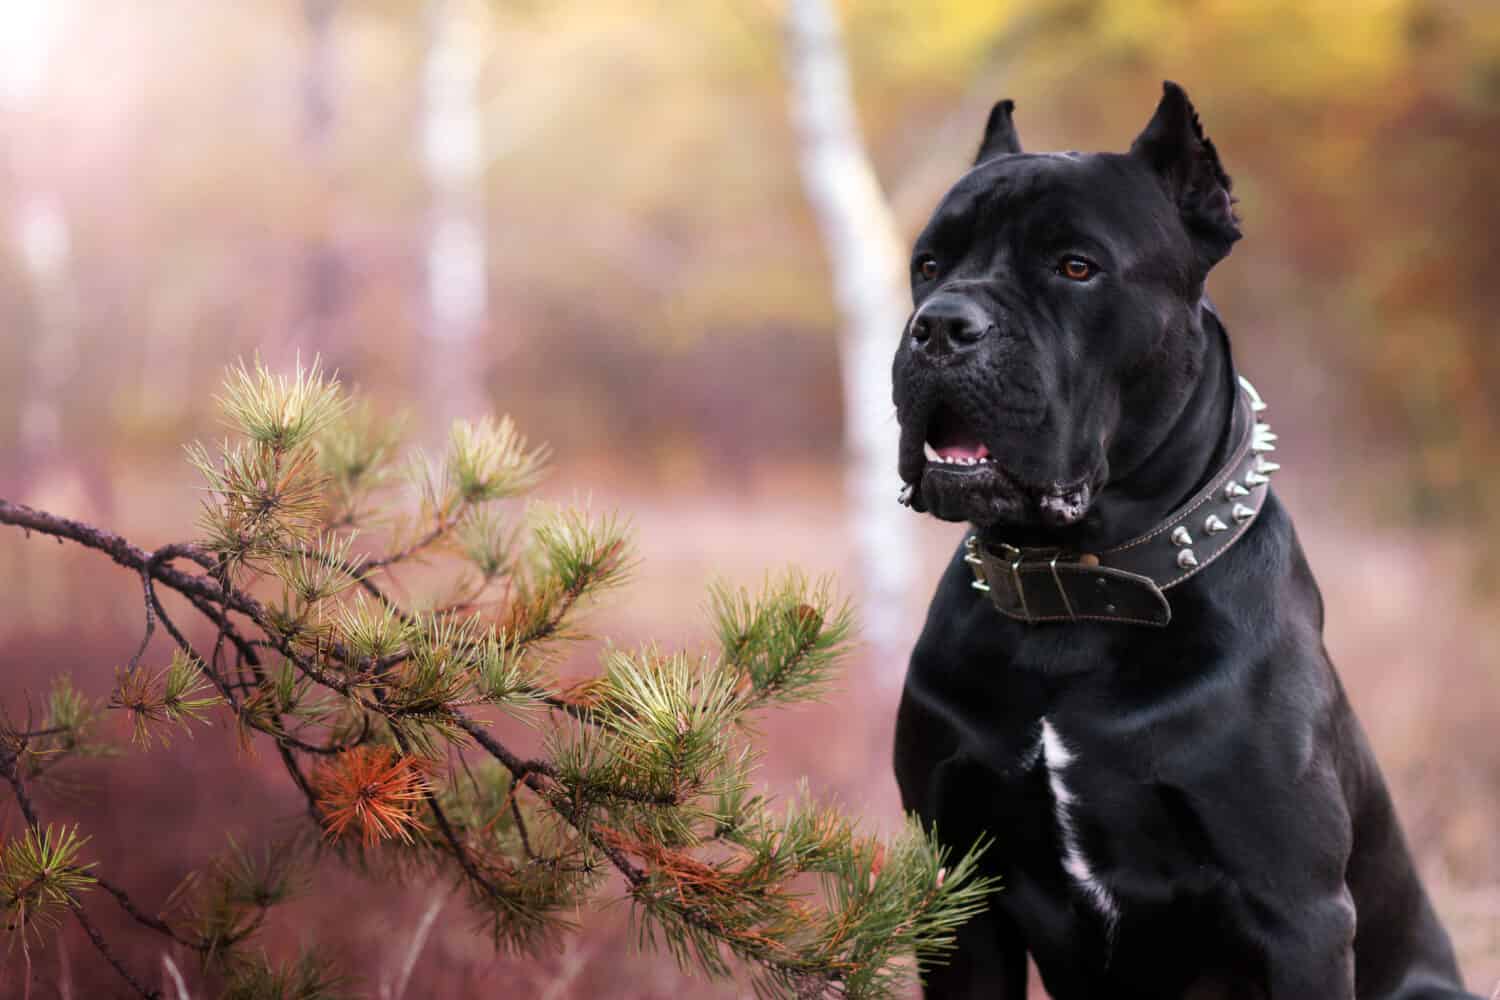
<point x="646" y="771"/>
<point x="112" y="545"/>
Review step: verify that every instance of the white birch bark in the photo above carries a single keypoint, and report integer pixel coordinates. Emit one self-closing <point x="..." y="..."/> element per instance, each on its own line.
<point x="322" y="263"/>
<point x="868" y="260"/>
<point x="457" y="271"/>
<point x="43" y="236"/>
<point x="40" y="233"/>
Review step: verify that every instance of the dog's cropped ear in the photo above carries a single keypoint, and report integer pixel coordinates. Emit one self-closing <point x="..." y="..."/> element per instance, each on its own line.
<point x="1174" y="146"/>
<point x="999" y="134"/>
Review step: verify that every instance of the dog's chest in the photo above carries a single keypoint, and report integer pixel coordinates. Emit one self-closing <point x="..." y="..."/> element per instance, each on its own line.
<point x="1058" y="758"/>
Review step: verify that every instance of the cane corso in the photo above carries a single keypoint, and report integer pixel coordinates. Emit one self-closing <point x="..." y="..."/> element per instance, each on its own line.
<point x="1122" y="677"/>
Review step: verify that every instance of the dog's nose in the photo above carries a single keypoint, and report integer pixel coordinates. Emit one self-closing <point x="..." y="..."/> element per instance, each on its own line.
<point x="947" y="326"/>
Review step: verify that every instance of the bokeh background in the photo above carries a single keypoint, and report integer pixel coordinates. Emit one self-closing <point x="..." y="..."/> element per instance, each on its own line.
<point x="589" y="214"/>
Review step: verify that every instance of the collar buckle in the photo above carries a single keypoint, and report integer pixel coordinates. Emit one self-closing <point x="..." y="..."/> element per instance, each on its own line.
<point x="1009" y="560"/>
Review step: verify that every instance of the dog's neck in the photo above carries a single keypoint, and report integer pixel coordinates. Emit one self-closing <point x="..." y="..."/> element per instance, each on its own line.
<point x="1197" y="446"/>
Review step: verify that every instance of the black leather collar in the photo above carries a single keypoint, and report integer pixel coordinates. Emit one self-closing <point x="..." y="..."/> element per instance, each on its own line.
<point x="1127" y="583"/>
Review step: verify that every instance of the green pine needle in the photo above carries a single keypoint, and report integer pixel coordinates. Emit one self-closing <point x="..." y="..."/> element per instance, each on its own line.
<point x="261" y="502"/>
<point x="487" y="541"/>
<point x="670" y="715"/>
<point x="582" y="552"/>
<point x="179" y="694"/>
<point x="785" y="641"/>
<point x="281" y="411"/>
<point x="371" y="630"/>
<point x="309" y="977"/>
<point x="40" y="876"/>
<point x="489" y="460"/>
<point x="322" y="569"/>
<point x="356" y="452"/>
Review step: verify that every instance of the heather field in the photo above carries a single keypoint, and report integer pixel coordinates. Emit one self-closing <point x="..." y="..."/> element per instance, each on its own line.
<point x="1428" y="708"/>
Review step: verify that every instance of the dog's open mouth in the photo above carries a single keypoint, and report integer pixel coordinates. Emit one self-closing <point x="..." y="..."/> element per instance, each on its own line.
<point x="951" y="443"/>
<point x="959" y="478"/>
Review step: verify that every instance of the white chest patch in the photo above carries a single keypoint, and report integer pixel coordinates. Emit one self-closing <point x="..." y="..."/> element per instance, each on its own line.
<point x="1057" y="757"/>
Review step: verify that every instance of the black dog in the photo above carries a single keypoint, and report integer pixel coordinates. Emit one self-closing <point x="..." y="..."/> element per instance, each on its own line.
<point x="1122" y="677"/>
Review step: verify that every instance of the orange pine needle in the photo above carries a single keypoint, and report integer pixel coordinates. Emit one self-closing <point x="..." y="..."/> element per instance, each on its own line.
<point x="373" y="789"/>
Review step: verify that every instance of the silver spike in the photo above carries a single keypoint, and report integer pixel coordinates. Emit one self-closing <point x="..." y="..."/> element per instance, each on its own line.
<point x="1213" y="525"/>
<point x="1255" y="401"/>
<point x="1180" y="537"/>
<point x="1186" y="559"/>
<point x="1234" y="491"/>
<point x="1241" y="513"/>
<point x="1259" y="446"/>
<point x="980" y="585"/>
<point x="1254" y="479"/>
<point x="1261" y="465"/>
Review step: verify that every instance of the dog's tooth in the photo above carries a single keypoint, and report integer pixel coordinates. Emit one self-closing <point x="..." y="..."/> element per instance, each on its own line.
<point x="931" y="453"/>
<point x="1241" y="513"/>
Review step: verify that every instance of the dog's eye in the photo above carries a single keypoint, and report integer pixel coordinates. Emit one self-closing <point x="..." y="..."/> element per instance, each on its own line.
<point x="927" y="268"/>
<point x="1076" y="268"/>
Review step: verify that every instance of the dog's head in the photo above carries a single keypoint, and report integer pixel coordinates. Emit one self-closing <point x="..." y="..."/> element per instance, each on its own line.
<point x="1056" y="333"/>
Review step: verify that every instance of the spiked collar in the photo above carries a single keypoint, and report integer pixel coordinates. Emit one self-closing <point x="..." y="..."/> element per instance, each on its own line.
<point x="1128" y="583"/>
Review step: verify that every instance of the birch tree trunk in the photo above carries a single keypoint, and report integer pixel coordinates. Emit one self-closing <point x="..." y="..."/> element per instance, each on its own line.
<point x="457" y="301"/>
<point x="323" y="268"/>
<point x="42" y="238"/>
<point x="868" y="262"/>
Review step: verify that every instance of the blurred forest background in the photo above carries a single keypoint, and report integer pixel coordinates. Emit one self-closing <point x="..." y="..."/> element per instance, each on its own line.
<point x="589" y="215"/>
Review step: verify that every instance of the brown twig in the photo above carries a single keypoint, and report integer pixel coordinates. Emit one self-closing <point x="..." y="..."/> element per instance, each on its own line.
<point x="443" y="526"/>
<point x="515" y="811"/>
<point x="109" y="956"/>
<point x="122" y="552"/>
